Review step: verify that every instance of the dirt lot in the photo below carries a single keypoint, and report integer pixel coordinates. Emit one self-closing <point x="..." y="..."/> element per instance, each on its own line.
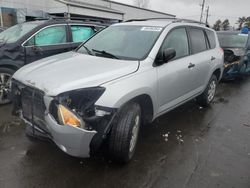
<point x="188" y="147"/>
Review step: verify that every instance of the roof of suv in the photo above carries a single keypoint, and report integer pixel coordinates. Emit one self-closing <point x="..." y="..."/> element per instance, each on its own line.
<point x="156" y="23"/>
<point x="161" y="22"/>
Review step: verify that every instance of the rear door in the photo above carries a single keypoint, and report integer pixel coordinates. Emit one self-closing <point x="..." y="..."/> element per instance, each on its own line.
<point x="80" y="33"/>
<point x="48" y="41"/>
<point x="201" y="58"/>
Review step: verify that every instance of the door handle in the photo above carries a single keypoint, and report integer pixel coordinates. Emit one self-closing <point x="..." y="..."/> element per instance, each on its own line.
<point x="213" y="58"/>
<point x="191" y="65"/>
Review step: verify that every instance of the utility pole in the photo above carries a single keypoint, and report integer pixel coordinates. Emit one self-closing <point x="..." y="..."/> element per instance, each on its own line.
<point x="207" y="15"/>
<point x="202" y="9"/>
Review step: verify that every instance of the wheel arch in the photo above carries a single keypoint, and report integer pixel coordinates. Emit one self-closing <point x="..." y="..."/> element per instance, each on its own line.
<point x="218" y="74"/>
<point x="10" y="66"/>
<point x="147" y="108"/>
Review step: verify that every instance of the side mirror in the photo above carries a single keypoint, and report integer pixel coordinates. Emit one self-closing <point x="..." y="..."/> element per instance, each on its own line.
<point x="168" y="54"/>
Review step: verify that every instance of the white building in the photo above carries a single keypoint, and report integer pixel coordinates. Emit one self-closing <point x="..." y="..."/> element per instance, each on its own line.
<point x="16" y="11"/>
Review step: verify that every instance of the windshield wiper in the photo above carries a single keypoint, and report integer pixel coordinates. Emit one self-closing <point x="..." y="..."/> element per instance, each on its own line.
<point x="105" y="53"/>
<point x="88" y="50"/>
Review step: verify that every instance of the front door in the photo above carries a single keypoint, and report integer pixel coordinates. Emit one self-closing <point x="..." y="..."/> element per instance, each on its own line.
<point x="49" y="41"/>
<point x="175" y="77"/>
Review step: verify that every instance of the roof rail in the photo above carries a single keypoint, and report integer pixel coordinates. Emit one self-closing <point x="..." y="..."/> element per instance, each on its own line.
<point x="174" y="20"/>
<point x="147" y="19"/>
<point x="51" y="18"/>
<point x="190" y="21"/>
<point x="76" y="19"/>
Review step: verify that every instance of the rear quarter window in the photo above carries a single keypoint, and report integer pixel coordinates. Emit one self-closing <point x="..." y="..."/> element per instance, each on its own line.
<point x="211" y="39"/>
<point x="198" y="40"/>
<point x="81" y="33"/>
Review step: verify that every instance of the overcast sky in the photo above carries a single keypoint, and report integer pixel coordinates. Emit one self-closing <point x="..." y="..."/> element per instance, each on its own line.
<point x="190" y="9"/>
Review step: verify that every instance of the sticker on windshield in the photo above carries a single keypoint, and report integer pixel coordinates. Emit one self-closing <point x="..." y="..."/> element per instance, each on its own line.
<point x="155" y="29"/>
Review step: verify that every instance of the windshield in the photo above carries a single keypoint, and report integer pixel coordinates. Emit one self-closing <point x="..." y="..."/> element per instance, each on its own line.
<point x="122" y="42"/>
<point x="233" y="40"/>
<point x="14" y="33"/>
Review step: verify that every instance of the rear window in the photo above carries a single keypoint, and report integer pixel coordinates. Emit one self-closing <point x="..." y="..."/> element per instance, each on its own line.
<point x="198" y="40"/>
<point x="211" y="39"/>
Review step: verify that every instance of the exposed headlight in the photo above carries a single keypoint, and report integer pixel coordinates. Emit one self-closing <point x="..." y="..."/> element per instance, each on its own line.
<point x="67" y="117"/>
<point x="81" y="100"/>
<point x="72" y="107"/>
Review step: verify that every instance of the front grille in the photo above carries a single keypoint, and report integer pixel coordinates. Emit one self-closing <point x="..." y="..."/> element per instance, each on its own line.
<point x="32" y="105"/>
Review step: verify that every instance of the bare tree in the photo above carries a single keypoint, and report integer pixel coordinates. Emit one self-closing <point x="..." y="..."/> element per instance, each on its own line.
<point x="142" y="3"/>
<point x="241" y="21"/>
<point x="217" y="25"/>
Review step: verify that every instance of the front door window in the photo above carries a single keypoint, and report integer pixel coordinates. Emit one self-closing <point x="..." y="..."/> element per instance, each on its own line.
<point x="49" y="36"/>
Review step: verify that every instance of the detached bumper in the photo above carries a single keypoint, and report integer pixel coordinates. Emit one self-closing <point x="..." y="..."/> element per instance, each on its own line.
<point x="71" y="140"/>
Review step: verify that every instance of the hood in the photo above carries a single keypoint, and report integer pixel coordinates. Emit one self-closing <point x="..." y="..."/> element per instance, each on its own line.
<point x="70" y="71"/>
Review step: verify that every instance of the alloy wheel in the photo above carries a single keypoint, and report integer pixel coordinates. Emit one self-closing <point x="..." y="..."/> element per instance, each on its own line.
<point x="211" y="91"/>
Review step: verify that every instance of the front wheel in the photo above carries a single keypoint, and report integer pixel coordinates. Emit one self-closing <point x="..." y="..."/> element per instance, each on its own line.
<point x="124" y="133"/>
<point x="208" y="95"/>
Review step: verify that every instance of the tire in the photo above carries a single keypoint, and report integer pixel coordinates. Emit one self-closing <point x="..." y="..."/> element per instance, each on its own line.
<point x="124" y="133"/>
<point x="5" y="76"/>
<point x="208" y="95"/>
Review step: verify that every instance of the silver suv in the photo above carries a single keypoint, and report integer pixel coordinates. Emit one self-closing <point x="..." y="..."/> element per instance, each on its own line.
<point x="125" y="76"/>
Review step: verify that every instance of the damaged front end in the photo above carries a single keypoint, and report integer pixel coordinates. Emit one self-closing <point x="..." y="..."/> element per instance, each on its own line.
<point x="233" y="64"/>
<point x="71" y="119"/>
<point x="90" y="117"/>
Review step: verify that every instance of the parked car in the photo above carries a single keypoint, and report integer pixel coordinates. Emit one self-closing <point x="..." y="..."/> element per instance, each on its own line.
<point x="103" y="92"/>
<point x="31" y="41"/>
<point x="236" y="46"/>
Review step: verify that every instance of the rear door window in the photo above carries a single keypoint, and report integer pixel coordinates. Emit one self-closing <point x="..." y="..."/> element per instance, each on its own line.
<point x="198" y="40"/>
<point x="49" y="36"/>
<point x="211" y="39"/>
<point x="81" y="33"/>
<point x="178" y="40"/>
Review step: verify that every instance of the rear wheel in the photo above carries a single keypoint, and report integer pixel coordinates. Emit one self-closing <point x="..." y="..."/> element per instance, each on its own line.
<point x="124" y="133"/>
<point x="5" y="78"/>
<point x="208" y="95"/>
